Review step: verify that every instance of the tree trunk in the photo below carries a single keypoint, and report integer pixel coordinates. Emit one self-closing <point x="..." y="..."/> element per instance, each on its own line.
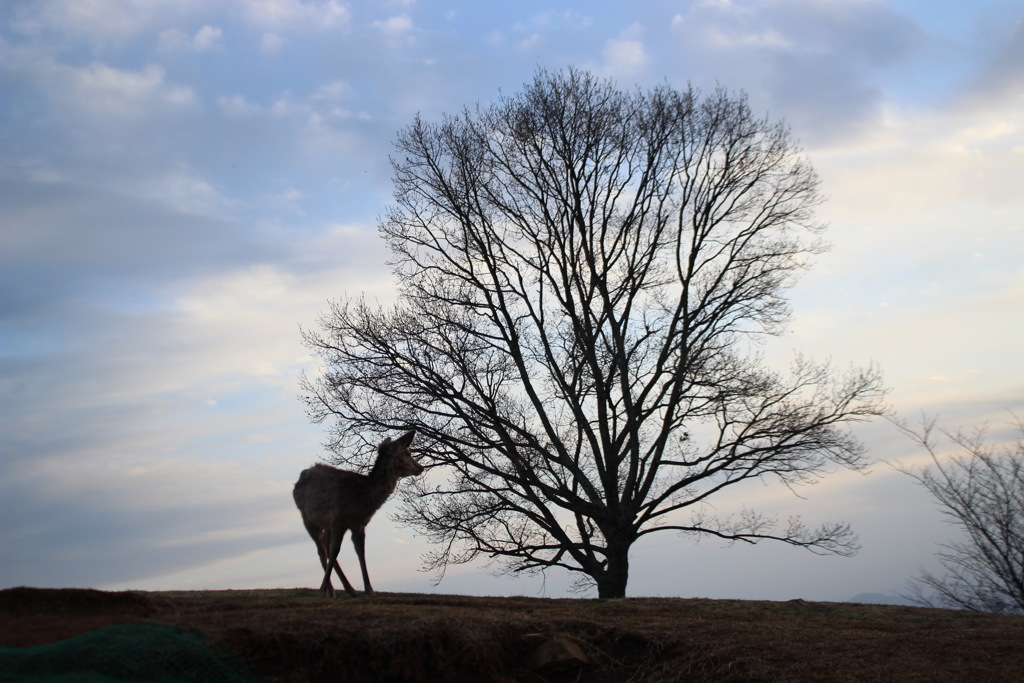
<point x="612" y="581"/>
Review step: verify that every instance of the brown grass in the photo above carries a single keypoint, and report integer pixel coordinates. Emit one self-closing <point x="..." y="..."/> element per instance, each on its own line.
<point x="293" y="635"/>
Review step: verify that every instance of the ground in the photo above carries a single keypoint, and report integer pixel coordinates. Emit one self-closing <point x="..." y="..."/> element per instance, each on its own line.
<point x="293" y="635"/>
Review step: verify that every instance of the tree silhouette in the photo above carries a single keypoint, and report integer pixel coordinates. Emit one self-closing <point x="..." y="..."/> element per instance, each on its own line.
<point x="583" y="274"/>
<point x="980" y="491"/>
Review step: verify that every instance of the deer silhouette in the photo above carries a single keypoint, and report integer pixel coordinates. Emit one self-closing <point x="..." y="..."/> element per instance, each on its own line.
<point x="333" y="501"/>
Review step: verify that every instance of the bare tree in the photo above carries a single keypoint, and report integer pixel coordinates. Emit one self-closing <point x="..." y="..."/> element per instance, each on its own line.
<point x="980" y="491"/>
<point x="582" y="274"/>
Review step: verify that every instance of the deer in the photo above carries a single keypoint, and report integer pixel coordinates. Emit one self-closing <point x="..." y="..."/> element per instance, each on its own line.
<point x="333" y="501"/>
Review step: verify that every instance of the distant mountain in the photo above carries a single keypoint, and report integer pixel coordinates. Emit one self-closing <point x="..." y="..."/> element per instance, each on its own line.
<point x="879" y="599"/>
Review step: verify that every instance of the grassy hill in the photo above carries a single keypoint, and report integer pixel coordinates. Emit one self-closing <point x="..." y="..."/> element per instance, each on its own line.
<point x="293" y="635"/>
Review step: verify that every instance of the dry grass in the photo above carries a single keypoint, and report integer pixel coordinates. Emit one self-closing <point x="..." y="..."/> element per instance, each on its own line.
<point x="293" y="635"/>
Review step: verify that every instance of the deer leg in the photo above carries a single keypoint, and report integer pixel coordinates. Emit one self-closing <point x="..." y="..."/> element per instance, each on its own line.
<point x="359" y="541"/>
<point x="344" y="581"/>
<point x="319" y="537"/>
<point x="337" y="536"/>
<point x="330" y="561"/>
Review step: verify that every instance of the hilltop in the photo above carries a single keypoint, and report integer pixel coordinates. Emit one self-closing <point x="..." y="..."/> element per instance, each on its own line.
<point x="293" y="635"/>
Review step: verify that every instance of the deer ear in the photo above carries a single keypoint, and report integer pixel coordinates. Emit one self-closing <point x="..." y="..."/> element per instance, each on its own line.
<point x="406" y="439"/>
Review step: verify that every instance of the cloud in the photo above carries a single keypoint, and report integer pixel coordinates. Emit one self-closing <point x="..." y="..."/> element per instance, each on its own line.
<point x="271" y="43"/>
<point x="1002" y="74"/>
<point x="553" y="20"/>
<point x="331" y="94"/>
<point x="924" y="214"/>
<point x="914" y="163"/>
<point x="869" y="32"/>
<point x="296" y="15"/>
<point x="531" y="41"/>
<point x="173" y="40"/>
<point x="101" y="22"/>
<point x="326" y="102"/>
<point x="108" y="92"/>
<point x="89" y="519"/>
<point x="219" y="353"/>
<point x="237" y="107"/>
<point x="83" y="98"/>
<point x="813" y="63"/>
<point x="205" y="39"/>
<point x="624" y="57"/>
<point x="80" y="231"/>
<point x="186" y="183"/>
<point x="394" y="26"/>
<point x="109" y="24"/>
<point x="328" y="126"/>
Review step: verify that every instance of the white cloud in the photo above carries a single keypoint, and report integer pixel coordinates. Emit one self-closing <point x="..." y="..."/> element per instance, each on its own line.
<point x="98" y="21"/>
<point x="105" y="22"/>
<point x="553" y="20"/>
<point x="395" y="26"/>
<point x="285" y="106"/>
<point x="821" y="66"/>
<point x="236" y="106"/>
<point x="187" y="192"/>
<point x="531" y="41"/>
<point x="98" y="509"/>
<point x="225" y="310"/>
<point x="624" y="57"/>
<point x="768" y="38"/>
<point x="924" y="164"/>
<point x="925" y="218"/>
<point x="271" y="43"/>
<point x="176" y="40"/>
<point x="332" y="93"/>
<point x="296" y="15"/>
<point x="108" y="94"/>
<point x="325" y="117"/>
<point x="112" y="92"/>
<point x="726" y="26"/>
<point x="223" y="314"/>
<point x="289" y="198"/>
<point x="207" y="38"/>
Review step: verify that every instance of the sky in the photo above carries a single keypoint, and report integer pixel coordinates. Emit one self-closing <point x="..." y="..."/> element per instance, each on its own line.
<point x="185" y="185"/>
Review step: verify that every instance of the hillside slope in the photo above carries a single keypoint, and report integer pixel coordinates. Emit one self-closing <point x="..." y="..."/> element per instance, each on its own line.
<point x="292" y="635"/>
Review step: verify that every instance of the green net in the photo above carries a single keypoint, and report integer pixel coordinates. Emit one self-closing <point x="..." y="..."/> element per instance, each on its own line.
<point x="125" y="652"/>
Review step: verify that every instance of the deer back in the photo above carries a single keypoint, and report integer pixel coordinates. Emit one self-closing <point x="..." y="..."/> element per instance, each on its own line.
<point x="326" y="495"/>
